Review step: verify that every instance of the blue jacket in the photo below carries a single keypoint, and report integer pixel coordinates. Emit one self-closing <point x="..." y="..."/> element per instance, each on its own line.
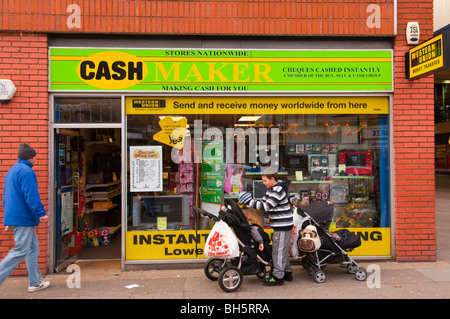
<point x="21" y="200"/>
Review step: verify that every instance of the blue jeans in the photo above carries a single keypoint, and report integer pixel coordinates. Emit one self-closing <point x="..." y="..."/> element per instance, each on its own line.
<point x="27" y="246"/>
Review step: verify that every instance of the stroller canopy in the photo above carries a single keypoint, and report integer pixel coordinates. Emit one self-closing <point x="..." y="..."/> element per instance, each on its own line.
<point x="321" y="212"/>
<point x="239" y="218"/>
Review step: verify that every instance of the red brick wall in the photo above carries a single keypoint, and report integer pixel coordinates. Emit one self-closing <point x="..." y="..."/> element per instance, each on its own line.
<point x="415" y="220"/>
<point x="201" y="17"/>
<point x="24" y="60"/>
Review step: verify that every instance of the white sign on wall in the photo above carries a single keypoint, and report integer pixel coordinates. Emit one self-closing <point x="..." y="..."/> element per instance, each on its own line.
<point x="7" y="90"/>
<point x="412" y="32"/>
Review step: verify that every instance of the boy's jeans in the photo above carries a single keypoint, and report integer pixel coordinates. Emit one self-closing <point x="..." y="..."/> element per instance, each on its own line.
<point x="280" y="253"/>
<point x="27" y="246"/>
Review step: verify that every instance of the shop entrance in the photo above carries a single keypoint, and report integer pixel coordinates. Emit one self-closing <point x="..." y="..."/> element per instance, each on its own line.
<point x="87" y="198"/>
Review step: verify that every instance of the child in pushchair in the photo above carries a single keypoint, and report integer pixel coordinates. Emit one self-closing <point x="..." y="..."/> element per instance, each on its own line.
<point x="334" y="245"/>
<point x="251" y="260"/>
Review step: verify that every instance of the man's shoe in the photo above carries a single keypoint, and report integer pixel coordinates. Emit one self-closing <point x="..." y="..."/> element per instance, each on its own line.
<point x="273" y="281"/>
<point x="42" y="285"/>
<point x="288" y="276"/>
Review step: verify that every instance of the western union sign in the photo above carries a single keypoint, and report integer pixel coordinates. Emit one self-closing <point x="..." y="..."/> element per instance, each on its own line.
<point x="243" y="71"/>
<point x="256" y="105"/>
<point x="428" y="57"/>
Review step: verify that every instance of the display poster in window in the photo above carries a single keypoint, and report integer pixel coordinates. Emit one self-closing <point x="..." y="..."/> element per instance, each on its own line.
<point x="173" y="130"/>
<point x="212" y="172"/>
<point x="162" y="223"/>
<point x="146" y="168"/>
<point x="66" y="210"/>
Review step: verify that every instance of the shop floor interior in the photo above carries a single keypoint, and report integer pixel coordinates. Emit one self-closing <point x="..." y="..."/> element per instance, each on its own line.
<point x="112" y="251"/>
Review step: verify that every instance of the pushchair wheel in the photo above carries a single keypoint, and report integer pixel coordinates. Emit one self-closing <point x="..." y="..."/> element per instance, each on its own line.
<point x="361" y="274"/>
<point x="230" y="278"/>
<point x="305" y="264"/>
<point x="213" y="268"/>
<point x="312" y="270"/>
<point x="351" y="269"/>
<point x="319" y="276"/>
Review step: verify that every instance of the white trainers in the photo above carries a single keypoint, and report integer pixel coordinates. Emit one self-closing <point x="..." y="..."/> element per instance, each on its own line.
<point x="41" y="286"/>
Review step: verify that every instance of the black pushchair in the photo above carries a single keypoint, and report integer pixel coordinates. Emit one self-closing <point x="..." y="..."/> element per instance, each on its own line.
<point x="251" y="261"/>
<point x="334" y="245"/>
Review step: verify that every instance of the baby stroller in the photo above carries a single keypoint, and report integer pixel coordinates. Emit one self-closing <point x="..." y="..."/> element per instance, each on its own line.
<point x="251" y="261"/>
<point x="334" y="245"/>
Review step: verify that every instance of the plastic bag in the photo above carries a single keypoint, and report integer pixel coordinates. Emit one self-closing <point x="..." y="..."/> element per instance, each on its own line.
<point x="298" y="223"/>
<point x="221" y="242"/>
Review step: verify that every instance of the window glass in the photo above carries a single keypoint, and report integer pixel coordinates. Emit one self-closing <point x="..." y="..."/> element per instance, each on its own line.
<point x="338" y="158"/>
<point x="87" y="110"/>
<point x="441" y="102"/>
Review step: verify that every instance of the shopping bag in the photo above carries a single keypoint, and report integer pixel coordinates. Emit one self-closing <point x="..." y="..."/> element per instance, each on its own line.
<point x="298" y="223"/>
<point x="221" y="242"/>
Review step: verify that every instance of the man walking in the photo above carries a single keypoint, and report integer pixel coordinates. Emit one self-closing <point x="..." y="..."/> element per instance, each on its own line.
<point x="23" y="211"/>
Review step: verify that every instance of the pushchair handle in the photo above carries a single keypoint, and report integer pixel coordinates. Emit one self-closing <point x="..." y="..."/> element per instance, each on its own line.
<point x="301" y="213"/>
<point x="205" y="213"/>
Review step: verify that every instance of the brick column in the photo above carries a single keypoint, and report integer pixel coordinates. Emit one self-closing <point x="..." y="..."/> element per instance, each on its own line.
<point x="24" y="60"/>
<point x="415" y="217"/>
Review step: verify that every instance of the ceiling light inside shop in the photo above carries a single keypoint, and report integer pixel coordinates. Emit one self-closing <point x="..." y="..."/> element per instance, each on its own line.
<point x="249" y="118"/>
<point x="244" y="125"/>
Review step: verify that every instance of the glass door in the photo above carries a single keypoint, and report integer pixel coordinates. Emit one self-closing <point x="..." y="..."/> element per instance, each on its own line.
<point x="69" y="205"/>
<point x="86" y="197"/>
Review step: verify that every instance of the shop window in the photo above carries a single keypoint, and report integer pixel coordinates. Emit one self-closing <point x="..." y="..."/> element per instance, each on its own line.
<point x="339" y="158"/>
<point x="441" y="103"/>
<point x="442" y="117"/>
<point x="87" y="110"/>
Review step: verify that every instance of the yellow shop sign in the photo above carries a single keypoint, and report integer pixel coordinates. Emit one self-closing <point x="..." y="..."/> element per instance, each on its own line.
<point x="155" y="245"/>
<point x="257" y="105"/>
<point x="375" y="241"/>
<point x="428" y="57"/>
<point x="190" y="244"/>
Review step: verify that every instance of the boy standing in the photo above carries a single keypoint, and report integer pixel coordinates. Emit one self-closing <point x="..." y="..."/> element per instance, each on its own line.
<point x="276" y="203"/>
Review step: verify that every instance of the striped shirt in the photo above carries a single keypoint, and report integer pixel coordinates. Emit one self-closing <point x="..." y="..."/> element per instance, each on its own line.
<point x="276" y="203"/>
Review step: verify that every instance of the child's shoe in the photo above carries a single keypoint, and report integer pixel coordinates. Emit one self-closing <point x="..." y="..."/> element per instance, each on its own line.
<point x="288" y="276"/>
<point x="273" y="281"/>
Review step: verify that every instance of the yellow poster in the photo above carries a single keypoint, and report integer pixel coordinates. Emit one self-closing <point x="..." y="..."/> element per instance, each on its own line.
<point x="172" y="131"/>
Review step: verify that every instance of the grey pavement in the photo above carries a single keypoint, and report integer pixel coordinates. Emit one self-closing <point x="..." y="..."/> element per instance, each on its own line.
<point x="394" y="280"/>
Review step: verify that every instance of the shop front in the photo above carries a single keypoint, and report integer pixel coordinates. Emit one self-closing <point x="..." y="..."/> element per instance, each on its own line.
<point x="192" y="127"/>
